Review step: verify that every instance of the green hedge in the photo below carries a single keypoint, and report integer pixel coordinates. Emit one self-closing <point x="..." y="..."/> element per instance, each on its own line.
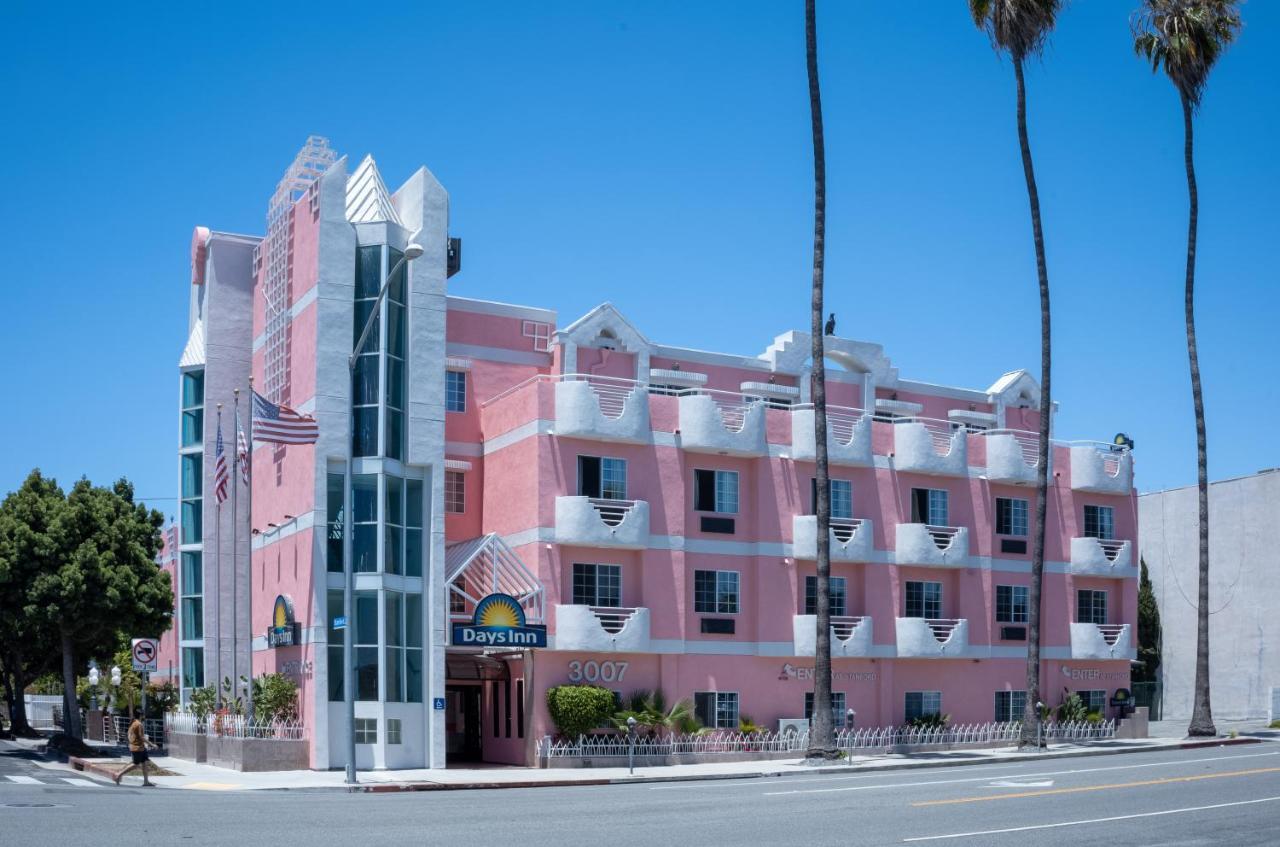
<point x="578" y="709"/>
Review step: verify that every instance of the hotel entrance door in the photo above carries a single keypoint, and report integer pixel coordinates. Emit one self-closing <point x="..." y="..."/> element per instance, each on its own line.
<point x="462" y="723"/>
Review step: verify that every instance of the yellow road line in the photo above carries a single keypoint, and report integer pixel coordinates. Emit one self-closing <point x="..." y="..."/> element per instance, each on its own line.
<point x="1048" y="791"/>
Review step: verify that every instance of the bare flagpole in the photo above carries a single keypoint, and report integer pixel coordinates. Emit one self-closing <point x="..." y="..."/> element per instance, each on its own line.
<point x="248" y="600"/>
<point x="217" y="591"/>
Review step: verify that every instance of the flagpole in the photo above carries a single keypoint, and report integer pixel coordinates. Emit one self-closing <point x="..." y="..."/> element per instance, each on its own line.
<point x="235" y="553"/>
<point x="248" y="461"/>
<point x="217" y="591"/>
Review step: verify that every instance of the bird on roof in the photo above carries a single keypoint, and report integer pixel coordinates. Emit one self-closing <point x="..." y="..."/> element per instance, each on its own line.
<point x="831" y="325"/>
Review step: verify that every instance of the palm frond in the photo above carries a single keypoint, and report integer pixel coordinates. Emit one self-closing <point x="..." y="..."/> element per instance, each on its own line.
<point x="1186" y="38"/>
<point x="1021" y="27"/>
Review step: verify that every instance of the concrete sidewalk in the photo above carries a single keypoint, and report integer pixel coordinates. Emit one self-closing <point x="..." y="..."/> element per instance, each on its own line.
<point x="203" y="777"/>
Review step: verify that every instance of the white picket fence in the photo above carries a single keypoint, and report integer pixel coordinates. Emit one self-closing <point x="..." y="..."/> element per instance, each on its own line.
<point x="232" y="726"/>
<point x="870" y="739"/>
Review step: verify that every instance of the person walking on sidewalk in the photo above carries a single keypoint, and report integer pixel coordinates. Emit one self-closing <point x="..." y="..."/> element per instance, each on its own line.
<point x="137" y="747"/>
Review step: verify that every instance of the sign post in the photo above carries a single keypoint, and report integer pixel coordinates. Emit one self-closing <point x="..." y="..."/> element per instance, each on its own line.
<point x="145" y="653"/>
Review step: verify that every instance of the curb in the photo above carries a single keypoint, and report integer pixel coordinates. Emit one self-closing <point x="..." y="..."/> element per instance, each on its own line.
<point x="79" y="764"/>
<point x="394" y="787"/>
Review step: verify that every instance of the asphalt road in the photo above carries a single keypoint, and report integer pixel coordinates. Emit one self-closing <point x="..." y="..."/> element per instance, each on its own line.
<point x="1217" y="796"/>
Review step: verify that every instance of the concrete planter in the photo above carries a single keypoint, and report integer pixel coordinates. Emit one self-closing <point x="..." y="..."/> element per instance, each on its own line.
<point x="257" y="754"/>
<point x="189" y="746"/>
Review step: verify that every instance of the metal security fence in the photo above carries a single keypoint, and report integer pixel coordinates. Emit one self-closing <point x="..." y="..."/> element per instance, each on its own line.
<point x="870" y="739"/>
<point x="115" y="729"/>
<point x="232" y="726"/>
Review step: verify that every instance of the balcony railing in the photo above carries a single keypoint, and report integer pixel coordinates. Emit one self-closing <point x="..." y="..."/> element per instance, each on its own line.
<point x="1101" y="641"/>
<point x="601" y="408"/>
<point x="722" y="422"/>
<point x="602" y="522"/>
<point x="850" y="538"/>
<point x="848" y="435"/>
<point x="1100" y="557"/>
<point x="1101" y="468"/>
<point x="932" y="637"/>
<point x="1012" y="455"/>
<point x="930" y="446"/>
<point x="850" y="635"/>
<point x="614" y="629"/>
<point x="928" y="544"/>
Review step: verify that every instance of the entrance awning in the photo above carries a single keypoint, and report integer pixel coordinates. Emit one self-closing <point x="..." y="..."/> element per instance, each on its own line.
<point x="469" y="666"/>
<point x="482" y="566"/>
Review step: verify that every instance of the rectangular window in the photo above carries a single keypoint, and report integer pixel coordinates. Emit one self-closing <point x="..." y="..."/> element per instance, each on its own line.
<point x="1011" y="516"/>
<point x="520" y="708"/>
<point x="192" y="521"/>
<point x="364" y="522"/>
<point x="716" y="491"/>
<point x="193" y="390"/>
<point x="1099" y="522"/>
<point x="923" y="600"/>
<point x="841" y="497"/>
<point x="929" y="506"/>
<point x="715" y="592"/>
<point x="192" y="576"/>
<point x="393" y="632"/>
<point x="192" y="475"/>
<point x="1091" y="606"/>
<point x="334" y="493"/>
<point x="597" y="585"/>
<point x="366" y="645"/>
<point x="334" y="655"/>
<point x="837" y="707"/>
<point x="413" y="648"/>
<point x="455" y="492"/>
<point x="366" y="730"/>
<point x="838" y="595"/>
<point x="393" y="526"/>
<point x="602" y="477"/>
<point x="921" y="703"/>
<point x="393" y="730"/>
<point x="193" y="667"/>
<point x="1010" y="706"/>
<point x="1095" y="700"/>
<point x="540" y="332"/>
<point x="1011" y="603"/>
<point x="716" y="709"/>
<point x="413" y="516"/>
<point x="455" y="391"/>
<point x="192" y="618"/>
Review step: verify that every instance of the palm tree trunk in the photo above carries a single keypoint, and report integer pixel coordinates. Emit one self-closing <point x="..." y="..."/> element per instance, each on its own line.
<point x="1201" y="713"/>
<point x="822" y="733"/>
<point x="1031" y="716"/>
<point x="70" y="708"/>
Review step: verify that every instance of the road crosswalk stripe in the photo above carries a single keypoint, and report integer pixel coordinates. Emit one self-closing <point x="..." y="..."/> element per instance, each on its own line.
<point x="24" y="780"/>
<point x="80" y="783"/>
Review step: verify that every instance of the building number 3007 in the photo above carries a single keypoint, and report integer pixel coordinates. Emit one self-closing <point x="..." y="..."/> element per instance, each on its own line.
<point x="593" y="671"/>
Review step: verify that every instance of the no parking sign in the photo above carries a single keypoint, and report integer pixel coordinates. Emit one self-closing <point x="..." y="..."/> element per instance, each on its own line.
<point x="146" y="654"/>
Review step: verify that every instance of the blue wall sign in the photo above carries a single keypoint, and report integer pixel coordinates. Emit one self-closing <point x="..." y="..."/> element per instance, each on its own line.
<point x="499" y="622"/>
<point x="340" y="622"/>
<point x="437" y="703"/>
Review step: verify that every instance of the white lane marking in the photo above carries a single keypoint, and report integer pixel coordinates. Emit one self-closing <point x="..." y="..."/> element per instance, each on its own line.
<point x="1093" y="820"/>
<point x="1030" y="783"/>
<point x="1018" y="776"/>
<point x="80" y="783"/>
<point x="24" y="780"/>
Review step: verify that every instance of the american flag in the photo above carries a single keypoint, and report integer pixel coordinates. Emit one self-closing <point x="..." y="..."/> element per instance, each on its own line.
<point x="280" y="424"/>
<point x="220" y="476"/>
<point x="242" y="449"/>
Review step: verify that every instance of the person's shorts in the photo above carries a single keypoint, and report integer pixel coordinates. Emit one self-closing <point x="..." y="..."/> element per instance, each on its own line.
<point x="139" y="756"/>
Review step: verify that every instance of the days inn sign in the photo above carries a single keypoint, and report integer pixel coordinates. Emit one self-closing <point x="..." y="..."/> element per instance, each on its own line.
<point x="499" y="622"/>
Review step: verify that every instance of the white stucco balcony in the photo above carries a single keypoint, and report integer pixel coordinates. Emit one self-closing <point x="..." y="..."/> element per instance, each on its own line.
<point x="720" y="422"/>
<point x="850" y="635"/>
<point x="848" y="436"/>
<point x="1100" y="641"/>
<point x="602" y="409"/>
<point x="925" y="544"/>
<point x="850" y="538"/>
<point x="1098" y="557"/>
<point x="1012" y="456"/>
<point x="597" y="522"/>
<point x="1101" y="469"/>
<point x="602" y="629"/>
<point x="924" y="445"/>
<point x="930" y="638"/>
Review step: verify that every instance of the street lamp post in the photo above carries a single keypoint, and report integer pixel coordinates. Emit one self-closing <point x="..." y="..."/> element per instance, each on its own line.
<point x="1039" y="725"/>
<point x="631" y="745"/>
<point x="412" y="250"/>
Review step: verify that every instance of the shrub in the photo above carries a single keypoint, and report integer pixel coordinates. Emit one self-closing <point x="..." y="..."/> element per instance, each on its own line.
<point x="275" y="698"/>
<point x="747" y="726"/>
<point x="1274" y="725"/>
<point x="578" y="709"/>
<point x="651" y="713"/>
<point x="1073" y="710"/>
<point x="204" y="701"/>
<point x="932" y="721"/>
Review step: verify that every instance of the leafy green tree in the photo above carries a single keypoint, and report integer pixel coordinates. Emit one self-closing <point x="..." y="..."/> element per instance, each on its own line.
<point x="1186" y="37"/>
<point x="99" y="580"/>
<point x="1021" y="28"/>
<point x="578" y="709"/>
<point x="275" y="698"/>
<point x="1149" y="633"/>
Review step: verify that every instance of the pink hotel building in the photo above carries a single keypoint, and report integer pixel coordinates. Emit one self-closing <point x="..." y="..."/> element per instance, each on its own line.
<point x="651" y="504"/>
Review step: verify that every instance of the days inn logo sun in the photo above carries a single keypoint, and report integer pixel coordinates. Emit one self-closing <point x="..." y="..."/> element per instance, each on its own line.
<point x="499" y="621"/>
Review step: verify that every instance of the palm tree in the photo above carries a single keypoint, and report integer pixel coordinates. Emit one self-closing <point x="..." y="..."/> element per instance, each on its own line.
<point x="1021" y="28"/>
<point x="1186" y="37"/>
<point x="822" y="742"/>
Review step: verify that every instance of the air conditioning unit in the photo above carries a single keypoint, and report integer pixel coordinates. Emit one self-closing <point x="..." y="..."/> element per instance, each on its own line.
<point x="793" y="726"/>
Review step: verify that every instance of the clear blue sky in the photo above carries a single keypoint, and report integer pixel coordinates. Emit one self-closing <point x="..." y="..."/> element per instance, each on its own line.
<point x="656" y="155"/>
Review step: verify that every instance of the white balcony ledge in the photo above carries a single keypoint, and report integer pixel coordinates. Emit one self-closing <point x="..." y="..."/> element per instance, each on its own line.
<point x="848" y="436"/>
<point x="713" y="424"/>
<point x="939" y="546"/>
<point x="1096" y="557"/>
<point x="1100" y="641"/>
<point x="600" y="629"/>
<point x="1012" y="456"/>
<point x="850" y="635"/>
<point x="1101" y="469"/>
<point x="930" y="447"/>
<point x="850" y="539"/>
<point x="927" y="638"/>
<point x="602" y="410"/>
<point x="595" y="522"/>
